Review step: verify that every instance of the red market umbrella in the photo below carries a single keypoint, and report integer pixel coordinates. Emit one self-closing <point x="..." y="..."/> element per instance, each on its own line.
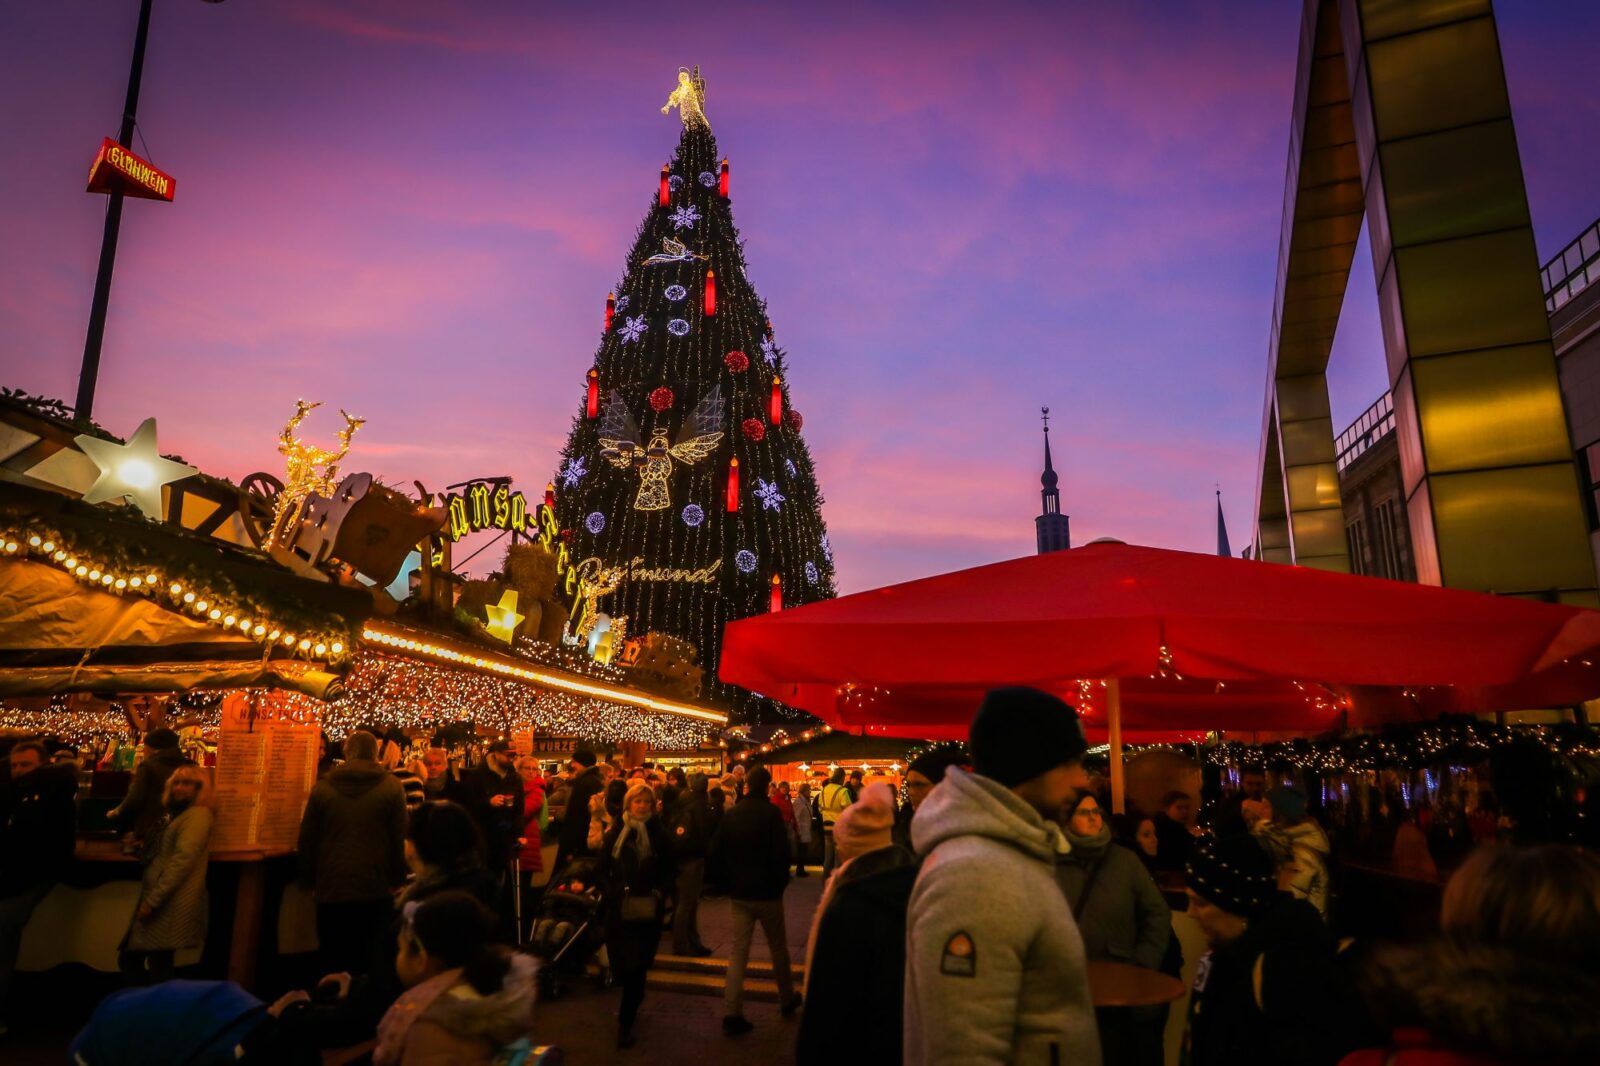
<point x="1163" y="641"/>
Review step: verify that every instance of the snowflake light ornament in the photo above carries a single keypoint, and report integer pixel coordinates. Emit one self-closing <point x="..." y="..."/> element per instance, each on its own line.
<point x="767" y="492"/>
<point x="827" y="549"/>
<point x="745" y="561"/>
<point x="693" y="515"/>
<point x="573" y="472"/>
<point x="788" y="464"/>
<point x="769" y="351"/>
<point x="811" y="573"/>
<point x="595" y="523"/>
<point x="675" y="292"/>
<point x="633" y="328"/>
<point x="707" y="178"/>
<point x="678" y="327"/>
<point x="685" y="217"/>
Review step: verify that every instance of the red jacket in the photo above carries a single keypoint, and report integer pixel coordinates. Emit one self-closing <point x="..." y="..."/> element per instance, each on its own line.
<point x="785" y="808"/>
<point x="532" y="804"/>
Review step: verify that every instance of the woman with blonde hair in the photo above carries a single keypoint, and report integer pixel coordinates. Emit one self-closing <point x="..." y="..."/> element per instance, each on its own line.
<point x="1511" y="979"/>
<point x="636" y="872"/>
<point x="171" y="913"/>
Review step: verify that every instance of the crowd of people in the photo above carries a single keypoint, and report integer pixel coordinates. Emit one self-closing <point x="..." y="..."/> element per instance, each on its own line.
<point x="957" y="921"/>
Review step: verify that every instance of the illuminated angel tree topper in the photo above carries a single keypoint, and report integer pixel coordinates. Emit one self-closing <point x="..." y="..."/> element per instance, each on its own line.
<point x="677" y="386"/>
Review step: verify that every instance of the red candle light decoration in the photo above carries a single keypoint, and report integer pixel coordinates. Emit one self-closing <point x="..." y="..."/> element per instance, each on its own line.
<point x="611" y="309"/>
<point x="722" y="181"/>
<point x="777" y="594"/>
<point x="711" y="293"/>
<point x="733" y="485"/>
<point x="550" y="495"/>
<point x="775" y="410"/>
<point x="666" y="189"/>
<point x="593" y="407"/>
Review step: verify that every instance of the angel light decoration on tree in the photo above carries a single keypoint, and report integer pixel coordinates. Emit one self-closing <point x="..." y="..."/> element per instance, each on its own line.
<point x="689" y="98"/>
<point x="697" y="438"/>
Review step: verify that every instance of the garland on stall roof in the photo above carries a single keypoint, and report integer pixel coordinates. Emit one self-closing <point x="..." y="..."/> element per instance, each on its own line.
<point x="1454" y="741"/>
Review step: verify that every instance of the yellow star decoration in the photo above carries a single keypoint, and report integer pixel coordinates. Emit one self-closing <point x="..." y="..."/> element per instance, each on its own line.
<point x="135" y="469"/>
<point x="503" y="617"/>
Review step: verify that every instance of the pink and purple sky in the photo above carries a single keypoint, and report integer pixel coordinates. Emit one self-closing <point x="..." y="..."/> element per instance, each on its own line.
<point x="956" y="213"/>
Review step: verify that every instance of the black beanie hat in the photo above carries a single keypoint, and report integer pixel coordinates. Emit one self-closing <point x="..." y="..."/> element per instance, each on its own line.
<point x="161" y="740"/>
<point x="1020" y="733"/>
<point x="1233" y="873"/>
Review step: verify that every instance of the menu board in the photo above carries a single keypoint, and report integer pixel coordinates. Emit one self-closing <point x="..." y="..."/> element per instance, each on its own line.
<point x="265" y="769"/>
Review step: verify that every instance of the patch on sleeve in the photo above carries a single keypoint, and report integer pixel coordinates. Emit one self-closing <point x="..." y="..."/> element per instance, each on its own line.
<point x="960" y="957"/>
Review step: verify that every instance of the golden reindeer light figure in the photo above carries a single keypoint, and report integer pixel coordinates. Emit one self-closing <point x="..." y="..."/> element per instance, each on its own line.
<point x="308" y="468"/>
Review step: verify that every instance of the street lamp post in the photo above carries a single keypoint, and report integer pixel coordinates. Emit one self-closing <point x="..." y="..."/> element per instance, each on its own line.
<point x="90" y="371"/>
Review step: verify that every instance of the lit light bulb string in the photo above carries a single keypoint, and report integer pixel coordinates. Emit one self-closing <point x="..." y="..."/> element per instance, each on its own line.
<point x="432" y="647"/>
<point x="396" y="690"/>
<point x="195" y="599"/>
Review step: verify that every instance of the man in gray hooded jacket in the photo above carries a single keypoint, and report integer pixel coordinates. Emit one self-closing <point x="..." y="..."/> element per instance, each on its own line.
<point x="995" y="968"/>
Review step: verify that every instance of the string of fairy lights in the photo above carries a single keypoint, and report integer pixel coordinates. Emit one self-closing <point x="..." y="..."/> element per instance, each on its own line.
<point x="206" y="600"/>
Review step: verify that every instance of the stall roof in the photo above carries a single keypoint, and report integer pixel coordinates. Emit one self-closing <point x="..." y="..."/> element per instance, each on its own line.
<point x="111" y="628"/>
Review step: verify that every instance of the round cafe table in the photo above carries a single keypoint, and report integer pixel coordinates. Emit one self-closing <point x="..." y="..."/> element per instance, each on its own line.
<point x="1121" y="984"/>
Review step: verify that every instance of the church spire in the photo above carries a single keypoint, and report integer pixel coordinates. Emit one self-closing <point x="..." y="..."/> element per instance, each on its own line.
<point x="1051" y="528"/>
<point x="1222" y="530"/>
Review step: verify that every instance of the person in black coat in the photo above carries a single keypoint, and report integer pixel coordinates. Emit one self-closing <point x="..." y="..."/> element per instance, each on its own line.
<point x="495" y="790"/>
<point x="689" y="821"/>
<point x="753" y="846"/>
<point x="635" y="870"/>
<point x="573" y="839"/>
<point x="1272" y="988"/>
<point x="38" y="826"/>
<point x="139" y="814"/>
<point x="444" y="849"/>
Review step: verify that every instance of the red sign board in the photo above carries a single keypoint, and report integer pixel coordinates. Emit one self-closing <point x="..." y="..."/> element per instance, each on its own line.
<point x="116" y="166"/>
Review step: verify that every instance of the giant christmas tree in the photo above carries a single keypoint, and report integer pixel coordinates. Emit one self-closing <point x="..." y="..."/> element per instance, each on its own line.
<point x="685" y="468"/>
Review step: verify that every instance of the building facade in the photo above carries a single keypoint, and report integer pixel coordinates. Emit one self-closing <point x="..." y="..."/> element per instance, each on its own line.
<point x="1370" y="487"/>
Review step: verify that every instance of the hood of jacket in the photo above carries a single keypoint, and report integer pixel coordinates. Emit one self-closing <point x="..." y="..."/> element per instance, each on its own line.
<point x="1490" y="1001"/>
<point x="1306" y="834"/>
<point x="356" y="777"/>
<point x="967" y="804"/>
<point x="499" y="1018"/>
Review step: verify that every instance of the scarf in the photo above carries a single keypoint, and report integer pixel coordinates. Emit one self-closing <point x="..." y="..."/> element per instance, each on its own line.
<point x="398" y="1019"/>
<point x="636" y="828"/>
<point x="1091" y="849"/>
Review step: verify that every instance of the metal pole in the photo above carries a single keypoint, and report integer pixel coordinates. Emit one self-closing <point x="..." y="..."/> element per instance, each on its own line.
<point x="90" y="372"/>
<point x="1114" y="722"/>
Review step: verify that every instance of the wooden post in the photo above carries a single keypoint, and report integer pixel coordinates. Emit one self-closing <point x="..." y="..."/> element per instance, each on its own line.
<point x="247" y="904"/>
<point x="1114" y="721"/>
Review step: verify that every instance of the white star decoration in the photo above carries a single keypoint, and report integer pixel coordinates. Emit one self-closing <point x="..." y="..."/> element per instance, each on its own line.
<point x="135" y="469"/>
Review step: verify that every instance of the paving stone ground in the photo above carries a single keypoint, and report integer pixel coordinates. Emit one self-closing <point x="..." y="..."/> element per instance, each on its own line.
<point x="685" y="1029"/>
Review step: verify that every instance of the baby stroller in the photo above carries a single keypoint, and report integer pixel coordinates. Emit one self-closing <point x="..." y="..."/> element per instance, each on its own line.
<point x="567" y="930"/>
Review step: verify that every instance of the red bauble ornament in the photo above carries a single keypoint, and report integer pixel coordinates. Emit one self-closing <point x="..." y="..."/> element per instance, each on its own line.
<point x="737" y="362"/>
<point x="722" y="181"/>
<point x="592" y="405"/>
<point x="753" y="429"/>
<point x="733" y="486"/>
<point x="666" y="188"/>
<point x="775" y="407"/>
<point x="777" y="594"/>
<point x="794" y="421"/>
<point x="661" y="399"/>
<point x="611" y="309"/>
<point x="711" y="293"/>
